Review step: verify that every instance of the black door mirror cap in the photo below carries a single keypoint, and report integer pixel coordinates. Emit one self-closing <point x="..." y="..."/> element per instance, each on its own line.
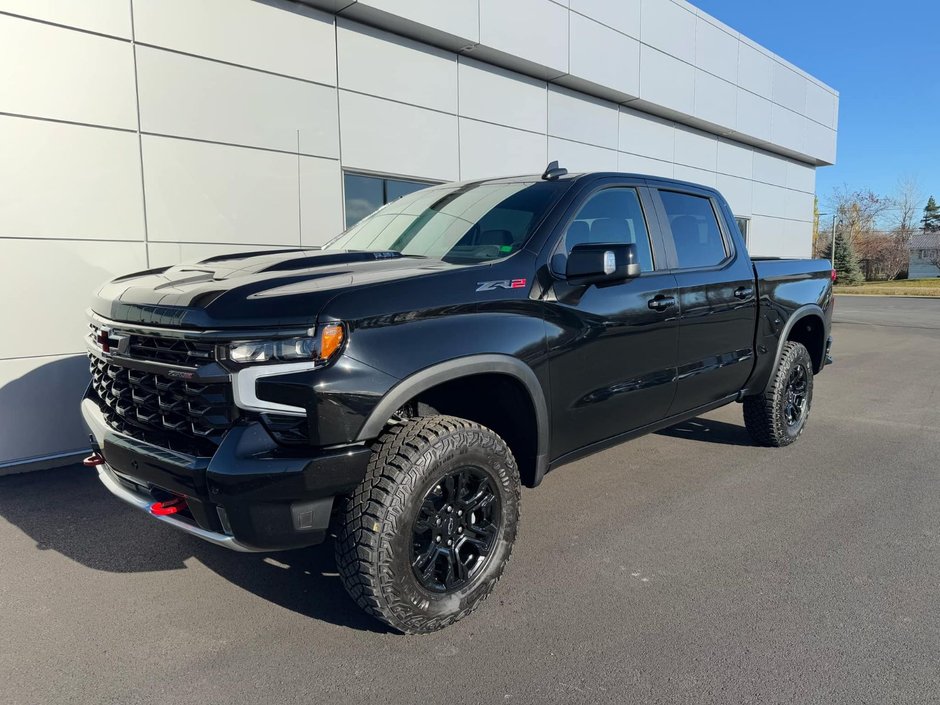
<point x="602" y="263"/>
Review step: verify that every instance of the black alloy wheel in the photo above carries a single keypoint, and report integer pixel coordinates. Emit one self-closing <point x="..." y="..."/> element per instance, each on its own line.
<point x="455" y="530"/>
<point x="795" y="405"/>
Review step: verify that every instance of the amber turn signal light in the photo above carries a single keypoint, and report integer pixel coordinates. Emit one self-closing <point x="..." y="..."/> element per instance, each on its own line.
<point x="331" y="340"/>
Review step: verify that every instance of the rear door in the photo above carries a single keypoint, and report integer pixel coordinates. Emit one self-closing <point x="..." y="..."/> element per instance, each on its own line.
<point x="612" y="353"/>
<point x="717" y="298"/>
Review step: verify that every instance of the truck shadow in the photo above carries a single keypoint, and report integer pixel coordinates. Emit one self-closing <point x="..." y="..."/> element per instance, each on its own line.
<point x="68" y="511"/>
<point x="709" y="431"/>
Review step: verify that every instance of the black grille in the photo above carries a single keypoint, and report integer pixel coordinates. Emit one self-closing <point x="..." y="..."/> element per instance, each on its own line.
<point x="184" y="416"/>
<point x="171" y="350"/>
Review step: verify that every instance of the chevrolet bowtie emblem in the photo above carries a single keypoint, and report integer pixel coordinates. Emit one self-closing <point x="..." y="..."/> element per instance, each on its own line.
<point x="104" y="340"/>
<point x="112" y="343"/>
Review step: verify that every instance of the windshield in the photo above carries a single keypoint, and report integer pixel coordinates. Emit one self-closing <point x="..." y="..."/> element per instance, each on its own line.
<point x="464" y="223"/>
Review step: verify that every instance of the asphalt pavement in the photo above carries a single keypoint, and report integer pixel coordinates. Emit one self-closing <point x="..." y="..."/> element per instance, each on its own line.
<point x="687" y="566"/>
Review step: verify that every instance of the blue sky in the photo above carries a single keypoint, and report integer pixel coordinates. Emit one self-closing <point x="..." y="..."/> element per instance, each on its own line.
<point x="883" y="58"/>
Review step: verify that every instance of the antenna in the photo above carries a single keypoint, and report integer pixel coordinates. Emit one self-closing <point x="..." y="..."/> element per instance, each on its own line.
<point x="553" y="171"/>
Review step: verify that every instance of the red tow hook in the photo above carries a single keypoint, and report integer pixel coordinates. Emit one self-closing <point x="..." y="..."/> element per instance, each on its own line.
<point x="93" y="460"/>
<point x="170" y="506"/>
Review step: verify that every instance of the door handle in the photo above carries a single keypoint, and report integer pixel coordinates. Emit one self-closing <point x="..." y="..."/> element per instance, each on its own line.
<point x="661" y="302"/>
<point x="743" y="292"/>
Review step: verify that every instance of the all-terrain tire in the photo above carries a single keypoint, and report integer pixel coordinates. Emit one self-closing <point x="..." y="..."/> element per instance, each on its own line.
<point x="766" y="415"/>
<point x="375" y="538"/>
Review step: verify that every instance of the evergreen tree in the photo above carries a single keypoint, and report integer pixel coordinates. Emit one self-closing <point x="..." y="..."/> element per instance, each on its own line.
<point x="845" y="262"/>
<point x="931" y="219"/>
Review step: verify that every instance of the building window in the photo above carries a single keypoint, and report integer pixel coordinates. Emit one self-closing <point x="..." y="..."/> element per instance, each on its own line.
<point x="743" y="226"/>
<point x="366" y="194"/>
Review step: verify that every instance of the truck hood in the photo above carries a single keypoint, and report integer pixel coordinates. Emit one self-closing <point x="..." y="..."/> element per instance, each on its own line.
<point x="269" y="289"/>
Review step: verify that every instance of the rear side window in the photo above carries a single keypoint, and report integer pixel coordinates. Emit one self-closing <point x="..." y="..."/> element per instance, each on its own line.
<point x="694" y="230"/>
<point x="611" y="216"/>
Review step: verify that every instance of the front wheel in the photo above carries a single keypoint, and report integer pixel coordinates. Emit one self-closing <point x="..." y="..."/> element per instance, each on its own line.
<point x="426" y="535"/>
<point x="778" y="416"/>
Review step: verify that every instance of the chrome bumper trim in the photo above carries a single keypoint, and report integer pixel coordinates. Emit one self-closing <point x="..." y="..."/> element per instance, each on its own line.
<point x="105" y="474"/>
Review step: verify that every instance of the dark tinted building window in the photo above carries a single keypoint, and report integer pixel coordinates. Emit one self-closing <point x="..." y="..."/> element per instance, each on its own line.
<point x="366" y="194"/>
<point x="694" y="229"/>
<point x="743" y="225"/>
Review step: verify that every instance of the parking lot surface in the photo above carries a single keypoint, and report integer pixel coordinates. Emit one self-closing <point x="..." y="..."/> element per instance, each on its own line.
<point x="686" y="566"/>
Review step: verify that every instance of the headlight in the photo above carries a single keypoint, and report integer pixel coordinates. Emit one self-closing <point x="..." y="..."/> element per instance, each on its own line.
<point x="319" y="348"/>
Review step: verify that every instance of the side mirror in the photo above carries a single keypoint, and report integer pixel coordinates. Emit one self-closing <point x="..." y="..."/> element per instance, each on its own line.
<point x="597" y="263"/>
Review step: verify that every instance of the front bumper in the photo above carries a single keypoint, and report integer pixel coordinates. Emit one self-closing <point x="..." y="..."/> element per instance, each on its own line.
<point x="121" y="490"/>
<point x="251" y="495"/>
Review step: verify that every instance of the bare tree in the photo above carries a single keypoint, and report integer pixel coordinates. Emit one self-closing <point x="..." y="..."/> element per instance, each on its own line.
<point x="858" y="211"/>
<point x="880" y="227"/>
<point x="907" y="198"/>
<point x="896" y="253"/>
<point x="886" y="254"/>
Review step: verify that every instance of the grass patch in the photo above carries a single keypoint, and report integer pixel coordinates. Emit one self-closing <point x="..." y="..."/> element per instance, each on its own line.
<point x="902" y="287"/>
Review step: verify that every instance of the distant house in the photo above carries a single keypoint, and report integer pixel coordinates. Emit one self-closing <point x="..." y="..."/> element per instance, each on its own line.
<point x="925" y="253"/>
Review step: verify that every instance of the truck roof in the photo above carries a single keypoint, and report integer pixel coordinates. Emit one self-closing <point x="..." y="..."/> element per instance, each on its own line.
<point x="578" y="176"/>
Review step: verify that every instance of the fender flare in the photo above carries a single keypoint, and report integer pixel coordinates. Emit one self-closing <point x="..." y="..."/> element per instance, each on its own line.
<point x="795" y="317"/>
<point x="420" y="381"/>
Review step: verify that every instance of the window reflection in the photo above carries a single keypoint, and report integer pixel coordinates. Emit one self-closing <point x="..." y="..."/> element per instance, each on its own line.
<point x="366" y="194"/>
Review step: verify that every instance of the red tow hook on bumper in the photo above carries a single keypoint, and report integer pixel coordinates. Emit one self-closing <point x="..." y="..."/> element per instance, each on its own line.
<point x="93" y="460"/>
<point x="170" y="506"/>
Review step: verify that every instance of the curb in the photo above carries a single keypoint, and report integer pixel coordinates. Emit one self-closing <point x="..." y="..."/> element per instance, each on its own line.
<point x="47" y="462"/>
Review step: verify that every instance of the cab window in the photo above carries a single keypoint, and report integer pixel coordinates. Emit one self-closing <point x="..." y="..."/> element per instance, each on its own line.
<point x="695" y="230"/>
<point x="610" y="216"/>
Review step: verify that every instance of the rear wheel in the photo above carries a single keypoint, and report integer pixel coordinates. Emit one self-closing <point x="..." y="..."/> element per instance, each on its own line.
<point x="424" y="538"/>
<point x="778" y="416"/>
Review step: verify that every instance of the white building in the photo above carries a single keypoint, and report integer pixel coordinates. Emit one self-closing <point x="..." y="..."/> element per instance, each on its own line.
<point x="138" y="133"/>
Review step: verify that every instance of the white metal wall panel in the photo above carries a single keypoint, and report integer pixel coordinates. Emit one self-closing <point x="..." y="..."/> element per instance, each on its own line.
<point x="51" y="72"/>
<point x="533" y="30"/>
<point x="202" y="192"/>
<point x="102" y="16"/>
<point x="186" y="96"/>
<point x="488" y="151"/>
<point x="622" y="15"/>
<point x="604" y="56"/>
<point x="380" y="135"/>
<point x="581" y="118"/>
<point x="576" y="156"/>
<point x="281" y="37"/>
<point x="503" y="97"/>
<point x="69" y="181"/>
<point x="421" y="75"/>
<point x="78" y="266"/>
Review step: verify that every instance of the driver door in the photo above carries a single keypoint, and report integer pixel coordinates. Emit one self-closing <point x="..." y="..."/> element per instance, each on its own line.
<point x="612" y="348"/>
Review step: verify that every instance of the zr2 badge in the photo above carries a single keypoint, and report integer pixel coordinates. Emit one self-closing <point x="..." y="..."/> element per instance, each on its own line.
<point x="502" y="284"/>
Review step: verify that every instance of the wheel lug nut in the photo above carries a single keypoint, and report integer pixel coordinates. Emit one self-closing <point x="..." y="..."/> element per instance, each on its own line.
<point x="449" y="509"/>
<point x="460" y="512"/>
<point x="449" y="542"/>
<point x="459" y="529"/>
<point x="438" y="521"/>
<point x="437" y="538"/>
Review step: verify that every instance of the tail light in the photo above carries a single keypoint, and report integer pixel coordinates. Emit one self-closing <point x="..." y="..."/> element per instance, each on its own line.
<point x="834" y="275"/>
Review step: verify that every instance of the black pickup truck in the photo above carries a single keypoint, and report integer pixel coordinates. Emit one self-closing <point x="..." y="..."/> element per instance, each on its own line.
<point x="398" y="385"/>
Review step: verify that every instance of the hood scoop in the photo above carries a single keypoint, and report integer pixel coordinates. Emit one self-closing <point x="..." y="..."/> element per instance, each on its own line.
<point x="329" y="259"/>
<point x="247" y="255"/>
